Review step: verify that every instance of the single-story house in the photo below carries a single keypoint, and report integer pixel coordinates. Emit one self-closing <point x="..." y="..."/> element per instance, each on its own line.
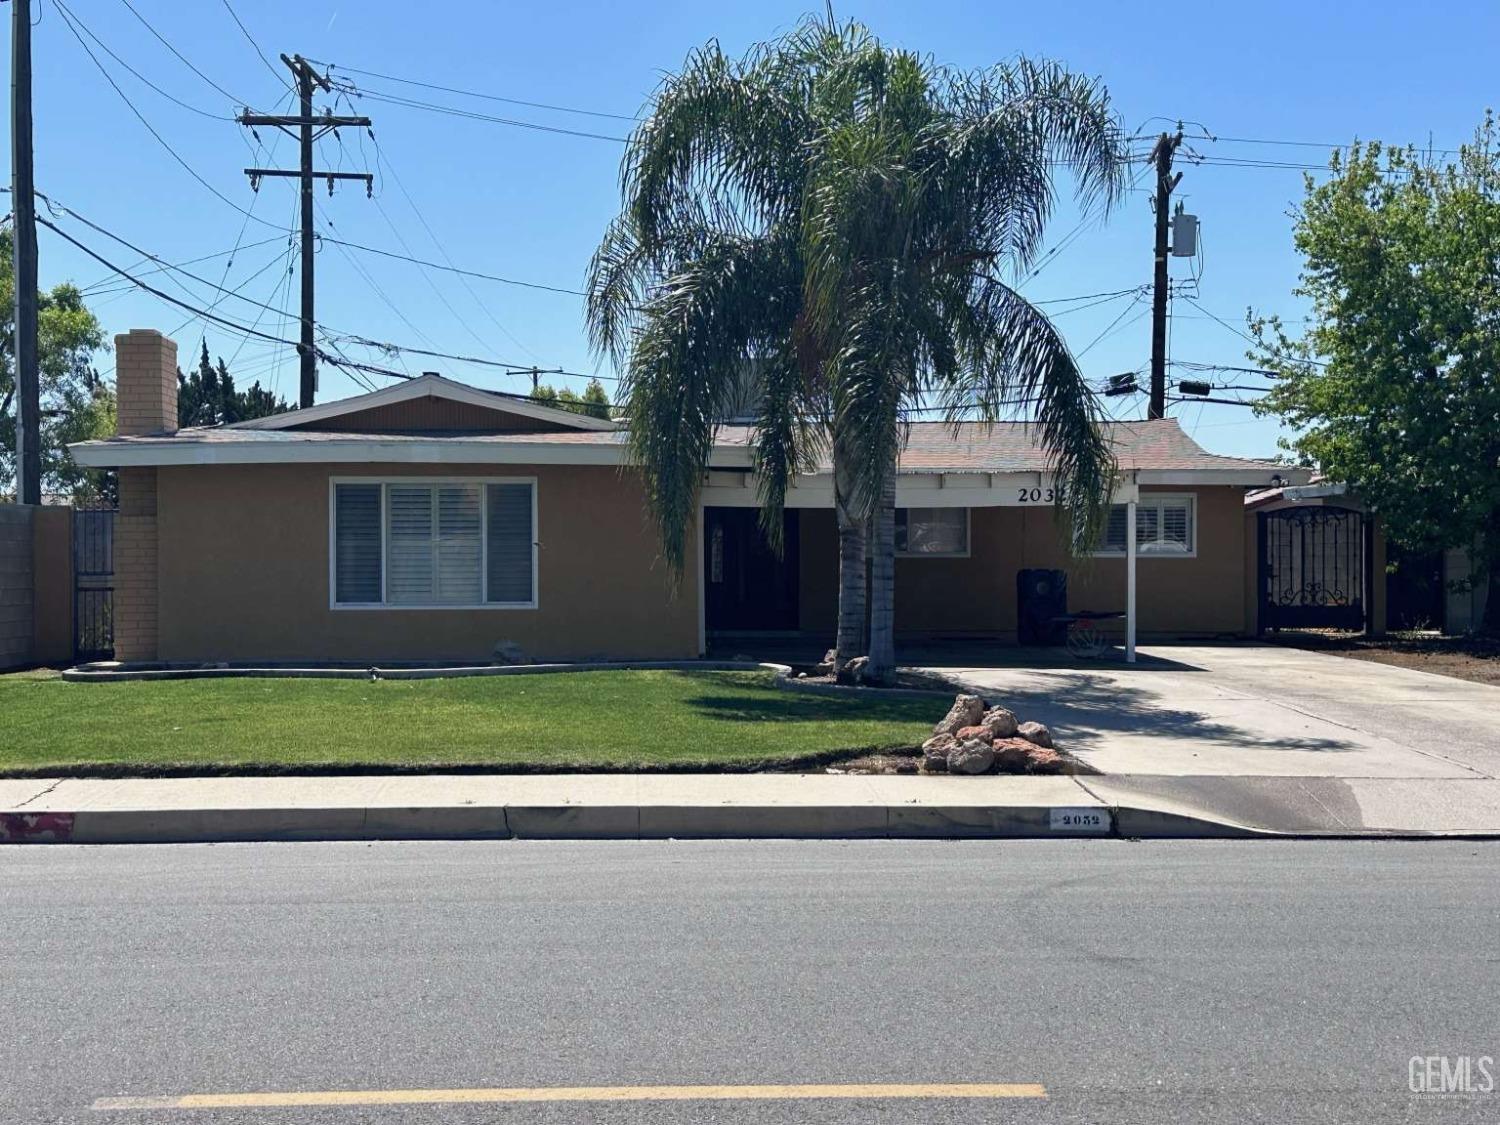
<point x="433" y="520"/>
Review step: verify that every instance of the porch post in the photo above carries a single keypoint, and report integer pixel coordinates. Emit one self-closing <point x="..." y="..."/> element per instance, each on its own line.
<point x="1130" y="582"/>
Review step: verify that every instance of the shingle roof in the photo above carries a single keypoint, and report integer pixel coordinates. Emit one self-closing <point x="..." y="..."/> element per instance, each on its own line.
<point x="1014" y="447"/>
<point x="932" y="447"/>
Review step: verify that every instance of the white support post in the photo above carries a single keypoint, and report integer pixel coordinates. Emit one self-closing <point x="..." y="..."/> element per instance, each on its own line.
<point x="1130" y="582"/>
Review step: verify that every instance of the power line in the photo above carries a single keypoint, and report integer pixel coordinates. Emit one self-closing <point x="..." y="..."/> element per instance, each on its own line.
<point x="454" y="269"/>
<point x="68" y="13"/>
<point x="94" y="287"/>
<point x="152" y="129"/>
<point x="187" y="62"/>
<point x="474" y="93"/>
<point x="251" y="40"/>
<point x="475" y="115"/>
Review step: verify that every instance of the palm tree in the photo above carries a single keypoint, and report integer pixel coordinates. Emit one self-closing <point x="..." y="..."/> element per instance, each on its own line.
<point x="830" y="215"/>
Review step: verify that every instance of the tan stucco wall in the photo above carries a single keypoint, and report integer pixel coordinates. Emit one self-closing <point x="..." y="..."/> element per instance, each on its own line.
<point x="1175" y="597"/>
<point x="244" y="573"/>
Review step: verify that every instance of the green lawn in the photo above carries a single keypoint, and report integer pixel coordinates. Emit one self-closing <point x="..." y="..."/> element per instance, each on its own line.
<point x="601" y="720"/>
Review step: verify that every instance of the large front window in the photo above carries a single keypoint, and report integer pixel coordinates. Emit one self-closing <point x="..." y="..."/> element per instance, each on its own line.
<point x="1164" y="525"/>
<point x="452" y="543"/>
<point x="932" y="532"/>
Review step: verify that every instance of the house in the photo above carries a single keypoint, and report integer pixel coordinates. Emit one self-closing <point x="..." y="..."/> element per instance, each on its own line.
<point x="432" y="520"/>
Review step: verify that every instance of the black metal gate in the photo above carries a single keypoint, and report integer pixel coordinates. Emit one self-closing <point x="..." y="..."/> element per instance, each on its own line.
<point x="1314" y="568"/>
<point x="94" y="583"/>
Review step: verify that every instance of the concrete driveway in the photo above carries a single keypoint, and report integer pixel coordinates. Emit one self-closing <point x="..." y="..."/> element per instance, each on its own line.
<point x="1254" y="711"/>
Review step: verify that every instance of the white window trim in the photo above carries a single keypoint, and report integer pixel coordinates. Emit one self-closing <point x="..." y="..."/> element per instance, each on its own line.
<point x="484" y="545"/>
<point x="1153" y="499"/>
<point x="968" y="538"/>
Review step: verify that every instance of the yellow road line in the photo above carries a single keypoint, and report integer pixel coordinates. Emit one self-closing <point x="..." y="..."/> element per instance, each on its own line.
<point x="294" y="1098"/>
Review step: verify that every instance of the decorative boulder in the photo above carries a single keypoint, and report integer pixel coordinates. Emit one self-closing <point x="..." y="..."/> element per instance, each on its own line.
<point x="973" y="756"/>
<point x="1037" y="733"/>
<point x="966" y="711"/>
<point x="999" y="723"/>
<point x="854" y="671"/>
<point x="825" y="666"/>
<point x="1045" y="761"/>
<point x="935" y="752"/>
<point x="1012" y="755"/>
<point x="968" y="734"/>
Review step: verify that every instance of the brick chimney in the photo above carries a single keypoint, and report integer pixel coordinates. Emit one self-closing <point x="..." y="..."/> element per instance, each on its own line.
<point x="145" y="403"/>
<point x="145" y="382"/>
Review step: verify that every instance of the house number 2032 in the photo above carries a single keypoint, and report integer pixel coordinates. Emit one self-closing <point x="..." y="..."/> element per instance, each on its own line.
<point x="1039" y="495"/>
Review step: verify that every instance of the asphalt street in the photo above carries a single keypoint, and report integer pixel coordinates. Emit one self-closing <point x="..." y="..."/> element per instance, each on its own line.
<point x="1099" y="981"/>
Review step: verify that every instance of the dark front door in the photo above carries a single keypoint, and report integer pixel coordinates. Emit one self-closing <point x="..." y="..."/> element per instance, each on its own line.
<point x="746" y="587"/>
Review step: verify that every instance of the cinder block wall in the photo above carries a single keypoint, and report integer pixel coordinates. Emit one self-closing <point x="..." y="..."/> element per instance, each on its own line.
<point x="146" y="393"/>
<point x="16" y="574"/>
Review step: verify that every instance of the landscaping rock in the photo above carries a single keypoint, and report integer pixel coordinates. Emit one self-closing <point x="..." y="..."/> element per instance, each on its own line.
<point x="824" y="667"/>
<point x="935" y="752"/>
<point x="966" y="711"/>
<point x="906" y="765"/>
<point x="968" y="734"/>
<point x="854" y="671"/>
<point x="1035" y="732"/>
<point x="973" y="756"/>
<point x="1045" y="761"/>
<point x="999" y="723"/>
<point x="1016" y="755"/>
<point x="1012" y="755"/>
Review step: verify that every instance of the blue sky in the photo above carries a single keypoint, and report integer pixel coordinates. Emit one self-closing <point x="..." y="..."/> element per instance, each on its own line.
<point x="530" y="205"/>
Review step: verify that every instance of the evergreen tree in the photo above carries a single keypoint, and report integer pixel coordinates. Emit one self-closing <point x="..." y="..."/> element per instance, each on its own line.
<point x="208" y="396"/>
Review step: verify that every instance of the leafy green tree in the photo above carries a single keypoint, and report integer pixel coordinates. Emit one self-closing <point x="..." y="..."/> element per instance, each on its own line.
<point x="828" y="217"/>
<point x="208" y="397"/>
<point x="76" y="404"/>
<point x="1394" y="386"/>
<point x="594" y="400"/>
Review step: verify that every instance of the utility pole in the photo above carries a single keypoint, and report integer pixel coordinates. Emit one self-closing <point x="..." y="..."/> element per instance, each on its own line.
<point x="1161" y="156"/>
<point x="309" y="129"/>
<point x="23" y="202"/>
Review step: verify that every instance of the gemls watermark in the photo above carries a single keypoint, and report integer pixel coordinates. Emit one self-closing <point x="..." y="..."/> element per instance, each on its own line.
<point x="1451" y="1075"/>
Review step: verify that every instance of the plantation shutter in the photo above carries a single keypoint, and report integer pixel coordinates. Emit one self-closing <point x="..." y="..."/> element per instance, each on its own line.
<point x="1147" y="523"/>
<point x="457" y="551"/>
<point x="356" y="544"/>
<point x="409" y="557"/>
<point x="510" y="577"/>
<point x="1114" y="531"/>
<point x="1177" y="527"/>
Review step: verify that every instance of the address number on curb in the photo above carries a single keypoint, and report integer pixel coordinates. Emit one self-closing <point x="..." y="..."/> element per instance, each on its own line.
<point x="1081" y="820"/>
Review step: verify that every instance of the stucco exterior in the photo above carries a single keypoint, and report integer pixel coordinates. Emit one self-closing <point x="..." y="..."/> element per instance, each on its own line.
<point x="242" y="573"/>
<point x="1175" y="597"/>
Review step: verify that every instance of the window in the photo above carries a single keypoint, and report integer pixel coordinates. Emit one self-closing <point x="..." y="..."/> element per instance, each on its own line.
<point x="1164" y="525"/>
<point x="434" y="543"/>
<point x="928" y="532"/>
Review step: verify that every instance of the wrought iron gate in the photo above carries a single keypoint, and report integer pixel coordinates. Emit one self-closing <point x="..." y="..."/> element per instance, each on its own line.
<point x="94" y="583"/>
<point x="1314" y="568"/>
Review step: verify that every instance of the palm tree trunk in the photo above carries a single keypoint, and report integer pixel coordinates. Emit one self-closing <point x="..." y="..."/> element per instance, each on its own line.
<point x="850" y="641"/>
<point x="883" y="584"/>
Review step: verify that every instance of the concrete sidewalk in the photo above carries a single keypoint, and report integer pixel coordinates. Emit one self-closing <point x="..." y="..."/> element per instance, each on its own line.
<point x="660" y="806"/>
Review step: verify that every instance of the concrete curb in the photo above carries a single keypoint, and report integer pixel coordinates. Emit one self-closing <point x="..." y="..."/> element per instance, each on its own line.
<point x="645" y="807"/>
